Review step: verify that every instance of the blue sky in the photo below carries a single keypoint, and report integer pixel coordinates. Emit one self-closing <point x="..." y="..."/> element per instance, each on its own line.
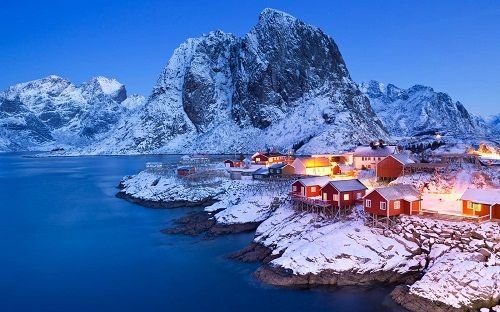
<point x="453" y="46"/>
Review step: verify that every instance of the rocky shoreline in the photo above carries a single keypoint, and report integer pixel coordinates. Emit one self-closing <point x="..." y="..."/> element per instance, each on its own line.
<point x="159" y="204"/>
<point x="424" y="260"/>
<point x="279" y="276"/>
<point x="203" y="222"/>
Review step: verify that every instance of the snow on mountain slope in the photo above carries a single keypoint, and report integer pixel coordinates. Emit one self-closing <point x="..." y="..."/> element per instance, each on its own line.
<point x="420" y="110"/>
<point x="51" y="111"/>
<point x="284" y="84"/>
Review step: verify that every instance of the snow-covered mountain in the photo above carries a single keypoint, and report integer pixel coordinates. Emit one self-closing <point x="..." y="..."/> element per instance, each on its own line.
<point x="420" y="110"/>
<point x="52" y="112"/>
<point x="494" y="124"/>
<point x="284" y="84"/>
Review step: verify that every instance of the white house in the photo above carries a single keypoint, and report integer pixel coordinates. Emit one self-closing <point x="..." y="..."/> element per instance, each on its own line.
<point x="368" y="156"/>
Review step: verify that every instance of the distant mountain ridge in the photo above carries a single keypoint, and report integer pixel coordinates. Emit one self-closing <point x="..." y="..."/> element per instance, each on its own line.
<point x="50" y="112"/>
<point x="420" y="110"/>
<point x="283" y="85"/>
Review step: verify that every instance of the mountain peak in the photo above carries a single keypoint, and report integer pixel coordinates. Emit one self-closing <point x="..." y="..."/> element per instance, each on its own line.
<point x="109" y="86"/>
<point x="269" y="13"/>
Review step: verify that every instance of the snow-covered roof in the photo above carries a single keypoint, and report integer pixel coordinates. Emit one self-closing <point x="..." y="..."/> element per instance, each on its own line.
<point x="398" y="191"/>
<point x="314" y="162"/>
<point x="482" y="196"/>
<point x="321" y="181"/>
<point x="347" y="185"/>
<point x="405" y="159"/>
<point x="261" y="171"/>
<point x="277" y="166"/>
<point x="185" y="167"/>
<point x="377" y="151"/>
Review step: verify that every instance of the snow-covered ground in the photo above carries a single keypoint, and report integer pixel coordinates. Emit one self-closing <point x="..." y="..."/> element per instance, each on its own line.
<point x="240" y="201"/>
<point x="461" y="279"/>
<point x="312" y="244"/>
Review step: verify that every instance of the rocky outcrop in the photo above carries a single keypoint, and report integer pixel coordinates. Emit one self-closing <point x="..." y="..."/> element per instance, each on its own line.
<point x="204" y="222"/>
<point x="280" y="276"/>
<point x="449" y="266"/>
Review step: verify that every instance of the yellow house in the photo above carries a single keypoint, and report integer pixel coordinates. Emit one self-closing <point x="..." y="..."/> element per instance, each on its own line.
<point x="317" y="166"/>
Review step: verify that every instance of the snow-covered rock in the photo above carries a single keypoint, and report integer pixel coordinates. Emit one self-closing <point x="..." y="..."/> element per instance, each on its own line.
<point x="461" y="280"/>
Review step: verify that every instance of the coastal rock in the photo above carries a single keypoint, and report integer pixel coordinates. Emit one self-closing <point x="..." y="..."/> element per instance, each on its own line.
<point x="457" y="281"/>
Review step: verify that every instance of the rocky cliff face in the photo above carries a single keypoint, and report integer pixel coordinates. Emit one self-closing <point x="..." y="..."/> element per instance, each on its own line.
<point x="420" y="110"/>
<point x="52" y="112"/>
<point x="284" y="84"/>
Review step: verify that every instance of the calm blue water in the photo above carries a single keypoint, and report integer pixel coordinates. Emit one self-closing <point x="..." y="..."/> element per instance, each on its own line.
<point x="67" y="244"/>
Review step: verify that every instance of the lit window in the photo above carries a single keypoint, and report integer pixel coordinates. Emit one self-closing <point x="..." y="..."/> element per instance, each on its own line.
<point x="396" y="204"/>
<point x="476" y="206"/>
<point x="368" y="203"/>
<point x="313" y="188"/>
<point x="346" y="196"/>
<point x="383" y="206"/>
<point x="336" y="197"/>
<point x="469" y="205"/>
<point x="294" y="188"/>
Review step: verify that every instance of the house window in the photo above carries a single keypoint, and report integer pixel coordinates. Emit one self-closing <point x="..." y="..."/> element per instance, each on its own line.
<point x="278" y="171"/>
<point x="368" y="203"/>
<point x="313" y="188"/>
<point x="346" y="196"/>
<point x="336" y="197"/>
<point x="257" y="159"/>
<point x="294" y="188"/>
<point x="383" y="206"/>
<point x="469" y="205"/>
<point x="359" y="195"/>
<point x="396" y="204"/>
<point x="476" y="206"/>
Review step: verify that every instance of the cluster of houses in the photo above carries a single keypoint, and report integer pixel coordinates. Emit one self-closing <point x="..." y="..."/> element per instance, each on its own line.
<point x="385" y="203"/>
<point x="328" y="181"/>
<point x="386" y="160"/>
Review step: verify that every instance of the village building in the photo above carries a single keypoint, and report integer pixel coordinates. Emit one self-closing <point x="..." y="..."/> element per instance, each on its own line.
<point x="343" y="193"/>
<point x="392" y="201"/>
<point x="318" y="166"/>
<point x="185" y="170"/>
<point x="481" y="203"/>
<point x="233" y="163"/>
<point x="309" y="187"/>
<point x="347" y="170"/>
<point x="268" y="158"/>
<point x="393" y="166"/>
<point x="260" y="174"/>
<point x="281" y="169"/>
<point x="367" y="157"/>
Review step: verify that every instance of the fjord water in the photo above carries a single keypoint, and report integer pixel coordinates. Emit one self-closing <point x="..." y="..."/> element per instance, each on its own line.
<point x="68" y="244"/>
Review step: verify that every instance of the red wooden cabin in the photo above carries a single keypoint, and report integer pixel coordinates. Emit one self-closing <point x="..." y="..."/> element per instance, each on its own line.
<point x="309" y="187"/>
<point x="185" y="170"/>
<point x="393" y="200"/>
<point x="392" y="166"/>
<point x="481" y="203"/>
<point x="232" y="163"/>
<point x="343" y="193"/>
